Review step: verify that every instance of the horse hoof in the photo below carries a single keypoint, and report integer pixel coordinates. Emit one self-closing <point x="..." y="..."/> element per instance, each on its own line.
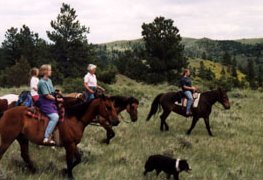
<point x="33" y="170"/>
<point x="64" y="172"/>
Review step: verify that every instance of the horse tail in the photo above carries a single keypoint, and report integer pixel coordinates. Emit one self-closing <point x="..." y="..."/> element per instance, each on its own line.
<point x="154" y="107"/>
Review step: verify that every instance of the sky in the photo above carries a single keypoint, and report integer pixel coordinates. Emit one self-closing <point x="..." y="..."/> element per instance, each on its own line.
<point x="111" y="20"/>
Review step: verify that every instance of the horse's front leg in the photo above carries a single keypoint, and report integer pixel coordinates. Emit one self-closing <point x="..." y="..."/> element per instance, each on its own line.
<point x="110" y="133"/>
<point x="194" y="121"/>
<point x="71" y="153"/>
<point x="208" y="126"/>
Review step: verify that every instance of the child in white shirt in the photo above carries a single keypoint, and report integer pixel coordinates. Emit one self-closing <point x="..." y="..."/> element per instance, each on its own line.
<point x="34" y="83"/>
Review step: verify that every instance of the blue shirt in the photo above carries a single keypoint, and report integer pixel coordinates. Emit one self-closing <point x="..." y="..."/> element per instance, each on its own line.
<point x="185" y="81"/>
<point x="45" y="87"/>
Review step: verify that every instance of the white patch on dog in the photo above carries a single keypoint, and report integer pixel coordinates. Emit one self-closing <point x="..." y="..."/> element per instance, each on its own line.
<point x="177" y="165"/>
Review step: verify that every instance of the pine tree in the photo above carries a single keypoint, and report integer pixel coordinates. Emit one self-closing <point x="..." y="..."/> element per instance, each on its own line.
<point x="71" y="49"/>
<point x="164" y="50"/>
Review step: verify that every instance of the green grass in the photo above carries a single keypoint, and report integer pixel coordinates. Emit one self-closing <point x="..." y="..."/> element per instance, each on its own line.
<point x="234" y="153"/>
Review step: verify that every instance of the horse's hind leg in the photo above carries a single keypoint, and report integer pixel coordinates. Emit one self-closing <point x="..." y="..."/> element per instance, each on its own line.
<point x="163" y="117"/>
<point x="192" y="126"/>
<point x="23" y="142"/>
<point x="4" y="146"/>
<point x="208" y="126"/>
<point x="6" y="139"/>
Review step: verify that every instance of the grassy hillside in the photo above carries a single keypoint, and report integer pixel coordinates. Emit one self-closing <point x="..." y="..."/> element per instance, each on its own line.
<point x="234" y="153"/>
<point x="214" y="66"/>
<point x="242" y="49"/>
<point x="251" y="41"/>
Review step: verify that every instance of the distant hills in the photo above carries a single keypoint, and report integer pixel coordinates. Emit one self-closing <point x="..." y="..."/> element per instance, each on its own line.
<point x="241" y="49"/>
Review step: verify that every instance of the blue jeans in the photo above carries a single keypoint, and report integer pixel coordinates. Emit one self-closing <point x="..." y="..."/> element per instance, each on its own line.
<point x="53" y="120"/>
<point x="90" y="96"/>
<point x="189" y="97"/>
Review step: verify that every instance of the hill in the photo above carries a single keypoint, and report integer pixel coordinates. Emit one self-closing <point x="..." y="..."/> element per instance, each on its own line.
<point x="215" y="67"/>
<point x="242" y="49"/>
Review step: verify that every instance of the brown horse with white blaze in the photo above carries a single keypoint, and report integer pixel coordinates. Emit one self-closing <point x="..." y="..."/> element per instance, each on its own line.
<point x="207" y="100"/>
<point x="17" y="125"/>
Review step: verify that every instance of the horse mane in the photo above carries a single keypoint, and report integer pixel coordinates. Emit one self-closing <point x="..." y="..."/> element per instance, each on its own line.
<point x="123" y="101"/>
<point x="77" y="110"/>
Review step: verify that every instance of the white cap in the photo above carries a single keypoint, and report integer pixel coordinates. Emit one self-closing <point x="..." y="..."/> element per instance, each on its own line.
<point x="91" y="67"/>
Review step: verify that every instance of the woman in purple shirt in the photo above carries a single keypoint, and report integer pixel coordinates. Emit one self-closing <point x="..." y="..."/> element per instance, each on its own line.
<point x="47" y="102"/>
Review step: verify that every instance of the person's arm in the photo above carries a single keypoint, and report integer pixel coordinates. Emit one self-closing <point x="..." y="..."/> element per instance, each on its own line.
<point x="190" y="88"/>
<point x="88" y="88"/>
<point x="101" y="88"/>
<point x="50" y="97"/>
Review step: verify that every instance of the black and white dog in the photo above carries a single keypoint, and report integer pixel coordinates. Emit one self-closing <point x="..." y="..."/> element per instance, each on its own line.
<point x="168" y="165"/>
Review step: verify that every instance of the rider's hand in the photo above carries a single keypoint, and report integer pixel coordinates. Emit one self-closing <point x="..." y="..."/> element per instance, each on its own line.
<point x="60" y="99"/>
<point x="92" y="92"/>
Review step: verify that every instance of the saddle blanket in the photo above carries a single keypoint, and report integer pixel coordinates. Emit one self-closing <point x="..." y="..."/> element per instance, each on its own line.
<point x="36" y="114"/>
<point x="196" y="98"/>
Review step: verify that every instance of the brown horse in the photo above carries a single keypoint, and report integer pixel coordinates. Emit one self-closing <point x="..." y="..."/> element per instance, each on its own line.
<point x="15" y="124"/>
<point x="3" y="106"/>
<point x="121" y="103"/>
<point x="207" y="99"/>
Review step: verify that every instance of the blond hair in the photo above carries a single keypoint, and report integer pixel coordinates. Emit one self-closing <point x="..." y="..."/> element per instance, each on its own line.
<point x="44" y="68"/>
<point x="34" y="71"/>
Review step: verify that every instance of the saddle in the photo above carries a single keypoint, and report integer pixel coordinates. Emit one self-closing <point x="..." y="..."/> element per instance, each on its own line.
<point x="35" y="113"/>
<point x="196" y="98"/>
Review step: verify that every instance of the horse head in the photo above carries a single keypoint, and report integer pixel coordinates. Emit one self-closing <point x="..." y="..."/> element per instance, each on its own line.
<point x="223" y="98"/>
<point x="107" y="110"/>
<point x="132" y="108"/>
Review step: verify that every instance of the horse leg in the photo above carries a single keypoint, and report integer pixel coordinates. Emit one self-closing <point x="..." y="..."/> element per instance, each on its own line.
<point x="71" y="151"/>
<point x="194" y="121"/>
<point x="6" y="139"/>
<point x="4" y="146"/>
<point x="163" y="117"/>
<point x="110" y="133"/>
<point x="208" y="126"/>
<point x="23" y="142"/>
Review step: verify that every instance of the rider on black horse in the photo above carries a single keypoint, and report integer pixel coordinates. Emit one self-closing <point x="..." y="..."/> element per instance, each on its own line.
<point x="188" y="89"/>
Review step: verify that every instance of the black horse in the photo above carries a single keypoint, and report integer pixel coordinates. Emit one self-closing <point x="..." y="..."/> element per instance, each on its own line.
<point x="207" y="99"/>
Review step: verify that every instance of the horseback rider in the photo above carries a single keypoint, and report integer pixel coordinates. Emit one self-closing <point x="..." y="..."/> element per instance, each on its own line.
<point x="47" y="101"/>
<point x="90" y="83"/>
<point x="188" y="89"/>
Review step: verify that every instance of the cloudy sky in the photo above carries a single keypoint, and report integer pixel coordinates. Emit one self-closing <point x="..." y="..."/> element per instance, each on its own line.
<point x="111" y="20"/>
